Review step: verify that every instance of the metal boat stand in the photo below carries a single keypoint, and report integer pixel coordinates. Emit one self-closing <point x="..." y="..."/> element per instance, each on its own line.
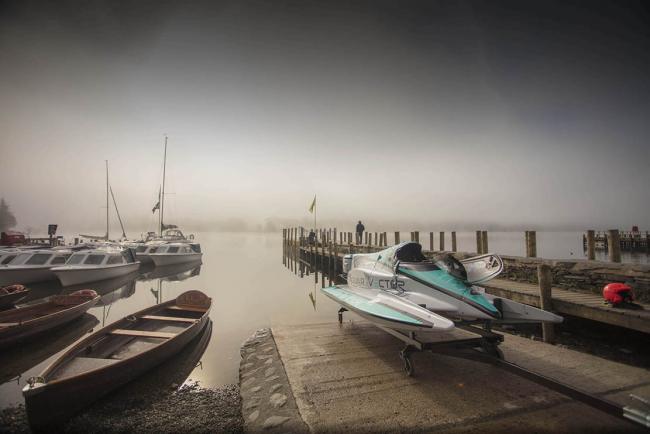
<point x="484" y="348"/>
<point x="485" y="341"/>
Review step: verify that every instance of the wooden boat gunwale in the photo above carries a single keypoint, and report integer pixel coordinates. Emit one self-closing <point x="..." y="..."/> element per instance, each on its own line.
<point x="73" y="351"/>
<point x="41" y="319"/>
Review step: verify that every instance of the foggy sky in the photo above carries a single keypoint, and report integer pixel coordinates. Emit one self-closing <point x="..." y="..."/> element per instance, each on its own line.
<point x="448" y="114"/>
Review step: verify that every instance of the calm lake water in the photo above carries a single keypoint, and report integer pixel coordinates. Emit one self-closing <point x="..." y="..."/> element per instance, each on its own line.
<point x="250" y="289"/>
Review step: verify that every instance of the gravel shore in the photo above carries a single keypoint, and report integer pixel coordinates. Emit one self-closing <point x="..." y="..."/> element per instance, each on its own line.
<point x="189" y="409"/>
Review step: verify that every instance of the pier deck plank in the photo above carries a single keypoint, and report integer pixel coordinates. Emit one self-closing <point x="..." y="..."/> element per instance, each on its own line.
<point x="349" y="378"/>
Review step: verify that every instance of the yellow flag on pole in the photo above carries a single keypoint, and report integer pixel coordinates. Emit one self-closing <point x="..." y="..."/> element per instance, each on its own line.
<point x="313" y="205"/>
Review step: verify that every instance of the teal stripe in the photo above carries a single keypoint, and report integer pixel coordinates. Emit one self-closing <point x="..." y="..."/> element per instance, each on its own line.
<point x="444" y="280"/>
<point x="365" y="305"/>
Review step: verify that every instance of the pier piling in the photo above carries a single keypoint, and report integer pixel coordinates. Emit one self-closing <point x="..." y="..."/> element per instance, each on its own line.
<point x="454" y="247"/>
<point x="614" y="245"/>
<point x="442" y="241"/>
<point x="545" y="280"/>
<point x="591" y="245"/>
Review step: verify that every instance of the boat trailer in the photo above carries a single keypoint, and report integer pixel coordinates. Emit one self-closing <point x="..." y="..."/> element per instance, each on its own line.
<point x="484" y="348"/>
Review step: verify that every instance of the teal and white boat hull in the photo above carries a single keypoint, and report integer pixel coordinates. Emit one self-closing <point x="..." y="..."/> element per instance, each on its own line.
<point x="443" y="285"/>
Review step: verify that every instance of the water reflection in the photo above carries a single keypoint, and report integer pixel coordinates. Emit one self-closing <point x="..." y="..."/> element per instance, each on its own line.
<point x="21" y="358"/>
<point x="242" y="275"/>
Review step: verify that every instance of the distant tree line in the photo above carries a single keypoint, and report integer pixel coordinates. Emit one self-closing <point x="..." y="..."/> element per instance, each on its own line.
<point x="7" y="218"/>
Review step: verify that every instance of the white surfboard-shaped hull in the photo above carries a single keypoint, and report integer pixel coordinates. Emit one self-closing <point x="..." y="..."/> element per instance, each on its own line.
<point x="387" y="310"/>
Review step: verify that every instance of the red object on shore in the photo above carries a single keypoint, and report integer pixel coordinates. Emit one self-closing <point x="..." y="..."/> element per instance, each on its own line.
<point x="617" y="293"/>
<point x="12" y="238"/>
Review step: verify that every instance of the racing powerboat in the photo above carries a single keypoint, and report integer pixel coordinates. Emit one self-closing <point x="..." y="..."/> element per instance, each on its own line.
<point x="395" y="282"/>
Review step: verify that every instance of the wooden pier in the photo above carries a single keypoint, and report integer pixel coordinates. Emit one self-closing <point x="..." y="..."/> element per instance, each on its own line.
<point x="324" y="255"/>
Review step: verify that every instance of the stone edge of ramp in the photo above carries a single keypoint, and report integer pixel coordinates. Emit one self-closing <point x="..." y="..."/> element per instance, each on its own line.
<point x="268" y="404"/>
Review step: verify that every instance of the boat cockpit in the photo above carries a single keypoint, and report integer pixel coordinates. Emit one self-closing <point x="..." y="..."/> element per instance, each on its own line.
<point x="96" y="258"/>
<point x="36" y="258"/>
<point x="410" y="257"/>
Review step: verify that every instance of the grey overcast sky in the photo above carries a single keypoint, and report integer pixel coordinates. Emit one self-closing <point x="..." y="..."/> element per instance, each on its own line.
<point x="448" y="113"/>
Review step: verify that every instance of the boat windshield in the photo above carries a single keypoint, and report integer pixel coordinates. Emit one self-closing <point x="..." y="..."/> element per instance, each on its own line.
<point x="38" y="259"/>
<point x="20" y="259"/>
<point x="58" y="260"/>
<point x="76" y="259"/>
<point x="451" y="265"/>
<point x="115" y="260"/>
<point x="94" y="260"/>
<point x="141" y="249"/>
<point x="8" y="259"/>
<point x="173" y="249"/>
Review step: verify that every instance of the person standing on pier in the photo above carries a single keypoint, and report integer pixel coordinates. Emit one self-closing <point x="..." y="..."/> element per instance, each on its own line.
<point x="360" y="229"/>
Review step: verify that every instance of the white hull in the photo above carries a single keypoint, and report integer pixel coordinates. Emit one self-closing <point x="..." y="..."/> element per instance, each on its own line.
<point x="144" y="258"/>
<point x="23" y="274"/>
<point x="161" y="259"/>
<point x="77" y="275"/>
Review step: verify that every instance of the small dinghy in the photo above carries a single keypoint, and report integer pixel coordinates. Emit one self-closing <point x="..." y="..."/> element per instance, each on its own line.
<point x="10" y="295"/>
<point x="113" y="356"/>
<point x="16" y="325"/>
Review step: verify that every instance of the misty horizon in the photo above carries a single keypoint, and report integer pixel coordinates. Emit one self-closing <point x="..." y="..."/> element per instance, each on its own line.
<point x="409" y="116"/>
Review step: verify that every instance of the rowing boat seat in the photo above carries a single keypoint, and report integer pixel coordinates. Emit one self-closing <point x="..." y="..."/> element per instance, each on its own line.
<point x="143" y="333"/>
<point x="169" y="318"/>
<point x="188" y="308"/>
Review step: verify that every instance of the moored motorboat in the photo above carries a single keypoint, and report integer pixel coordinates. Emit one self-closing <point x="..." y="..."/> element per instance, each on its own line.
<point x="113" y="356"/>
<point x="12" y="294"/>
<point x="176" y="253"/>
<point x="16" y="325"/>
<point x="96" y="265"/>
<point x="30" y="266"/>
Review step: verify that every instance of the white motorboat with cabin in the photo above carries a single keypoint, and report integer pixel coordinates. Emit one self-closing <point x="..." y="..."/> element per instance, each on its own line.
<point x="176" y="253"/>
<point x="95" y="265"/>
<point x="31" y="266"/>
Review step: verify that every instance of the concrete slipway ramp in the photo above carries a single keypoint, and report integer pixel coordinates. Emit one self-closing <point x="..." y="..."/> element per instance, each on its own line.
<point x="349" y="378"/>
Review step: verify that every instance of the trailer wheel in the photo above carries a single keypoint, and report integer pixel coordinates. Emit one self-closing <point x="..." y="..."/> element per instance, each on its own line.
<point x="492" y="349"/>
<point x="405" y="355"/>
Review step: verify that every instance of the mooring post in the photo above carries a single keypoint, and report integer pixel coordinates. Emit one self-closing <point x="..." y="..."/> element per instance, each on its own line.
<point x="531" y="244"/>
<point x="614" y="245"/>
<point x="334" y="237"/>
<point x="376" y="239"/>
<point x="453" y="242"/>
<point x="385" y="239"/>
<point x="431" y="241"/>
<point x="284" y="246"/>
<point x="322" y="265"/>
<point x="332" y="264"/>
<point x="545" y="279"/>
<point x="591" y="245"/>
<point x="442" y="241"/>
<point x="479" y="243"/>
<point x="484" y="241"/>
<point x="336" y="259"/>
<point x="417" y="236"/>
<point x="396" y="237"/>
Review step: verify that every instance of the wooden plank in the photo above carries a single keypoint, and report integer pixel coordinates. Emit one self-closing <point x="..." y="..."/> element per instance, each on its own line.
<point x="188" y="308"/>
<point x="9" y="324"/>
<point x="169" y="318"/>
<point x="143" y="333"/>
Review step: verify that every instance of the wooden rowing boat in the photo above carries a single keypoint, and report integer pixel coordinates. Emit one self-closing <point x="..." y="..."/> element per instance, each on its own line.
<point x="10" y="295"/>
<point x="113" y="356"/>
<point x="17" y="325"/>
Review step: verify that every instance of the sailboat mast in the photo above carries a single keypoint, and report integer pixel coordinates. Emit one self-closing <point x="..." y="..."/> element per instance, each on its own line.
<point x="106" y="200"/>
<point x="162" y="195"/>
<point x="119" y="218"/>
